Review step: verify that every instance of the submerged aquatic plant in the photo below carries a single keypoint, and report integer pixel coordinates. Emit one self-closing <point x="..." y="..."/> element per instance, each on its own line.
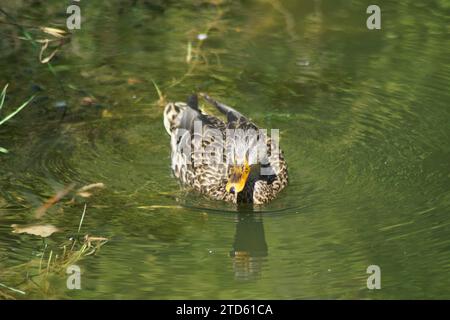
<point x="52" y="261"/>
<point x="46" y="265"/>
<point x="12" y="114"/>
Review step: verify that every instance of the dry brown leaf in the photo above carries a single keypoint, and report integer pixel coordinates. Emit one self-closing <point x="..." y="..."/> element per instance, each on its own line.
<point x="88" y="101"/>
<point x="44" y="230"/>
<point x="57" y="33"/>
<point x="83" y="191"/>
<point x="132" y="81"/>
<point x="89" y="238"/>
<point x="84" y="194"/>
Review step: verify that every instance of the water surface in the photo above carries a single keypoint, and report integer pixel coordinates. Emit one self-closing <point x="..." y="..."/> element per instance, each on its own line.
<point x="364" y="126"/>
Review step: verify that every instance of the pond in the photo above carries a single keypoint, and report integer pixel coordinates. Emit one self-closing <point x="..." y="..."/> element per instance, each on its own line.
<point x="364" y="124"/>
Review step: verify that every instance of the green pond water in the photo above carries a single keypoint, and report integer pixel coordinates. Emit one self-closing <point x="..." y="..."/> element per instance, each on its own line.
<point x="364" y="121"/>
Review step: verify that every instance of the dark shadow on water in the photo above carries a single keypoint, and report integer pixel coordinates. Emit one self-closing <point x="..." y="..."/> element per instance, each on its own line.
<point x="249" y="247"/>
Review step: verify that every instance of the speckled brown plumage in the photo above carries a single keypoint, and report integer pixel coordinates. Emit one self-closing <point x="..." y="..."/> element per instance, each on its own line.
<point x="210" y="178"/>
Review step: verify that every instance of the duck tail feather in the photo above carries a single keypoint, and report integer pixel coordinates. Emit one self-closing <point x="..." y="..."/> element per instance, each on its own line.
<point x="232" y="114"/>
<point x="192" y="101"/>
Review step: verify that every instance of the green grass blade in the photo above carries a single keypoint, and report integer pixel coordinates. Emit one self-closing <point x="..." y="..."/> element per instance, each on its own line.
<point x="157" y="89"/>
<point x="3" y="150"/>
<point x="12" y="289"/>
<point x="17" y="111"/>
<point x="2" y="96"/>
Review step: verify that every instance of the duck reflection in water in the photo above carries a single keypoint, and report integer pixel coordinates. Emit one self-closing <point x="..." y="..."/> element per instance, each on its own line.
<point x="249" y="247"/>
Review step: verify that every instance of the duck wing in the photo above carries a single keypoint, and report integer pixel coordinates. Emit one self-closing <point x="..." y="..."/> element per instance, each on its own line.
<point x="185" y="122"/>
<point x="181" y="115"/>
<point x="235" y="120"/>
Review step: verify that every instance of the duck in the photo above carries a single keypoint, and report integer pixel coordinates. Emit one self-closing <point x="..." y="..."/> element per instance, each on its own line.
<point x="225" y="157"/>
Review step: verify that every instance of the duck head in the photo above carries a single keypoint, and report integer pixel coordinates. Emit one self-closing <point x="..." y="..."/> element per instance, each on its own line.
<point x="237" y="178"/>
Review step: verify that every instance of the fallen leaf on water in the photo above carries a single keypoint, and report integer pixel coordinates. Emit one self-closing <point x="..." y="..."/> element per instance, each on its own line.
<point x="61" y="37"/>
<point x="89" y="238"/>
<point x="57" y="33"/>
<point x="83" y="191"/>
<point x="132" y="81"/>
<point x="50" y="202"/>
<point x="84" y="194"/>
<point x="44" y="230"/>
<point x="88" y="101"/>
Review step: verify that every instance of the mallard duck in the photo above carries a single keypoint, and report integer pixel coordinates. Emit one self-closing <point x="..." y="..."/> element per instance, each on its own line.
<point x="235" y="175"/>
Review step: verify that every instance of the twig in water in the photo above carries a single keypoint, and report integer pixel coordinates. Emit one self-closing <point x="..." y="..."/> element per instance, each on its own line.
<point x="49" y="260"/>
<point x="42" y="257"/>
<point x="189" y="52"/>
<point x="12" y="289"/>
<point x="82" y="218"/>
<point x="2" y="96"/>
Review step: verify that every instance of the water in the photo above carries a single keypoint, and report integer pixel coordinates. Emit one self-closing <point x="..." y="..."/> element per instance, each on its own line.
<point x="363" y="117"/>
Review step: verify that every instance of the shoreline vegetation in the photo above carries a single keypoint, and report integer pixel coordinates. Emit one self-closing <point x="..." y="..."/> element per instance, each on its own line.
<point x="53" y="259"/>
